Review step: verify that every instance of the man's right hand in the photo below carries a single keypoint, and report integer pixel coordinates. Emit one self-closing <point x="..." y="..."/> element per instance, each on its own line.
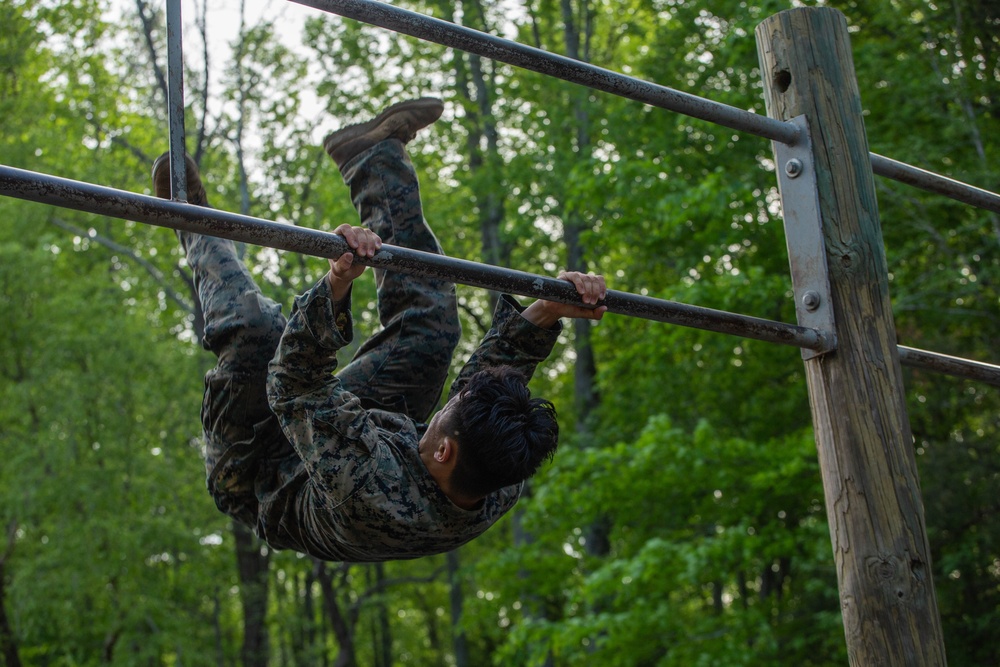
<point x="363" y="242"/>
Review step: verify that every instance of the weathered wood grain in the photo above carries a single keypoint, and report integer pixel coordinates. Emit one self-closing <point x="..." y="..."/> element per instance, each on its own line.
<point x="863" y="433"/>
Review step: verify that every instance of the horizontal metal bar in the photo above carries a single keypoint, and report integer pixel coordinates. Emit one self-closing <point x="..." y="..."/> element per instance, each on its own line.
<point x="942" y="363"/>
<point x="537" y="60"/>
<point x="527" y="57"/>
<point x="47" y="189"/>
<point x="931" y="182"/>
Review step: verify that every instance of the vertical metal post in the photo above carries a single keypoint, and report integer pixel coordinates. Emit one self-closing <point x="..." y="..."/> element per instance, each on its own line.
<point x="863" y="436"/>
<point x="175" y="100"/>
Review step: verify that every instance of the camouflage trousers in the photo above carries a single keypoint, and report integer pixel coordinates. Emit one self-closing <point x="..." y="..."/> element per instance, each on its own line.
<point x="401" y="368"/>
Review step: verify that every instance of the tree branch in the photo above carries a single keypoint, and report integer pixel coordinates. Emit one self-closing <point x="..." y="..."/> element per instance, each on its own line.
<point x="152" y="270"/>
<point x="398" y="581"/>
<point x="8" y="645"/>
<point x="147" y="33"/>
<point x="119" y="140"/>
<point x="480" y="322"/>
<point x="202" y="22"/>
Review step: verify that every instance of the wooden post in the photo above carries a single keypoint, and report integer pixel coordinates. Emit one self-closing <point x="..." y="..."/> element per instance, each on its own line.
<point x="863" y="436"/>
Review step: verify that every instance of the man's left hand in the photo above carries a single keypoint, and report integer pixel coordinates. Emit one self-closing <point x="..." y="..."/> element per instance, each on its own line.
<point x="591" y="289"/>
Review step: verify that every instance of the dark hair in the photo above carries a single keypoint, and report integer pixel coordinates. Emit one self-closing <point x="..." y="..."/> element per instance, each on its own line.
<point x="504" y="435"/>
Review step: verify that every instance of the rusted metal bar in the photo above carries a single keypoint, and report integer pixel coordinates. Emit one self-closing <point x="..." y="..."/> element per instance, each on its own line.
<point x="537" y="60"/>
<point x="943" y="363"/>
<point x="931" y="182"/>
<point x="47" y="189"/>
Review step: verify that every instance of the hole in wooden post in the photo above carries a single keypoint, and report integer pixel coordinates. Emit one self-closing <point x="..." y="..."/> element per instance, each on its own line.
<point x="782" y="80"/>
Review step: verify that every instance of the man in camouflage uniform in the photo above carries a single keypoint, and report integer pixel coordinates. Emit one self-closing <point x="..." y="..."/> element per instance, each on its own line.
<point x="342" y="466"/>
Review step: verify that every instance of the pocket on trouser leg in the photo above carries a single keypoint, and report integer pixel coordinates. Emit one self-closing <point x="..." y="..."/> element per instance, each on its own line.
<point x="233" y="411"/>
<point x="231" y="484"/>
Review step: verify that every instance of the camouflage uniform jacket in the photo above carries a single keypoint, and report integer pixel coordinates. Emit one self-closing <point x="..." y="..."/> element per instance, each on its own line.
<point x="364" y="494"/>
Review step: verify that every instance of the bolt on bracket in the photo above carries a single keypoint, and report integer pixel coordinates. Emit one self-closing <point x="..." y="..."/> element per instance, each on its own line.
<point x="804" y="237"/>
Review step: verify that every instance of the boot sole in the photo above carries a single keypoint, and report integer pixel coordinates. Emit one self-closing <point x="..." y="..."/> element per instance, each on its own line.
<point x="380" y="128"/>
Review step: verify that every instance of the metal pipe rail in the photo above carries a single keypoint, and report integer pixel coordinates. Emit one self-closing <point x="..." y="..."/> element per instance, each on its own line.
<point x="526" y="57"/>
<point x="931" y="182"/>
<point x="943" y="363"/>
<point x="53" y="190"/>
<point x="47" y="189"/>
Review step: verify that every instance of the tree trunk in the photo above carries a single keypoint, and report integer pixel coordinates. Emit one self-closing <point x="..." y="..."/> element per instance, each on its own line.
<point x="8" y="642"/>
<point x="382" y="628"/>
<point x="220" y="653"/>
<point x="343" y="630"/>
<point x="460" y="643"/>
<point x="485" y="163"/>
<point x="586" y="397"/>
<point x="309" y="616"/>
<point x="252" y="566"/>
<point x="585" y="369"/>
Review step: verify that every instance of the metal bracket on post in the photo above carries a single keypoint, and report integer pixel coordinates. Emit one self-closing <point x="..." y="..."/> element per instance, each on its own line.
<point x="804" y="237"/>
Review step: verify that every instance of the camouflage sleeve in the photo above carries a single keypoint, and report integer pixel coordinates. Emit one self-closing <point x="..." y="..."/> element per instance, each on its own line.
<point x="511" y="341"/>
<point x="319" y="417"/>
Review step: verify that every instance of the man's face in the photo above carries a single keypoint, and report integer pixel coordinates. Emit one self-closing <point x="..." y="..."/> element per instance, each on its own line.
<point x="435" y="429"/>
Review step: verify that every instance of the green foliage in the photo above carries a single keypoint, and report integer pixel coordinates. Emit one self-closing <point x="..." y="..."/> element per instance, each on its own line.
<point x="101" y="470"/>
<point x="699" y="475"/>
<point x="718" y="554"/>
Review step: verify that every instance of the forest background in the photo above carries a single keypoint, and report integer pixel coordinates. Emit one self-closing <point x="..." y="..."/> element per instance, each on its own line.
<point x="682" y="521"/>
